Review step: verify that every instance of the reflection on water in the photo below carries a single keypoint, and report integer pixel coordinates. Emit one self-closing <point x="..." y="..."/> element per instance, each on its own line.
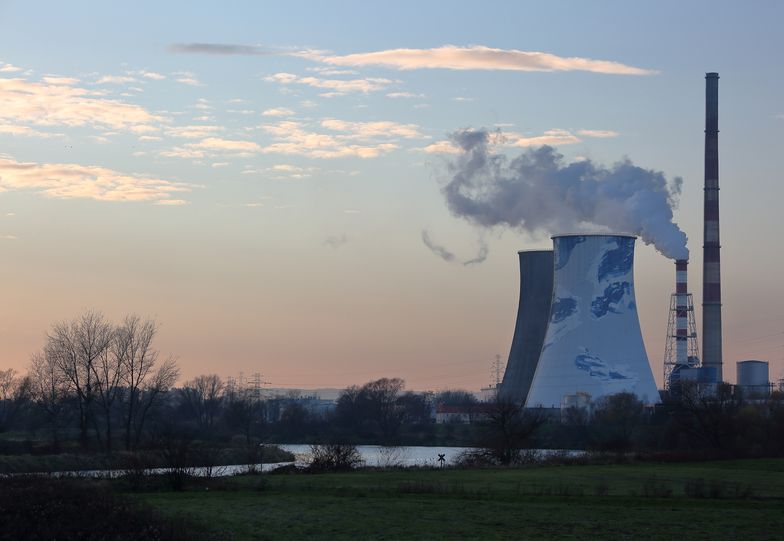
<point x="372" y="455"/>
<point x="385" y="457"/>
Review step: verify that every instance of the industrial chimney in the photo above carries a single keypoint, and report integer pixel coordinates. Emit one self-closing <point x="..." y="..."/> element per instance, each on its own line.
<point x="593" y="343"/>
<point x="533" y="312"/>
<point x="681" y="354"/>
<point x="711" y="268"/>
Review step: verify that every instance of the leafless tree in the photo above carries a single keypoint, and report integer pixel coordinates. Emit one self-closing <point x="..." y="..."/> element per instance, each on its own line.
<point x="49" y="390"/>
<point x="109" y="371"/>
<point x="510" y="429"/>
<point x="151" y="390"/>
<point x="203" y="395"/>
<point x="75" y="347"/>
<point x="14" y="390"/>
<point x="709" y="415"/>
<point x="143" y="383"/>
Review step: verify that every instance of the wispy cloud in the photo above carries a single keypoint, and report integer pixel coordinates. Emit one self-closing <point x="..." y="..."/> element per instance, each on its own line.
<point x="335" y="87"/>
<point x="116" y="80"/>
<point x="370" y="130"/>
<point x="186" y="78"/>
<point x="404" y="95"/>
<point x="285" y="171"/>
<point x="196" y="131"/>
<point x="278" y="111"/>
<point x="479" y="57"/>
<point x="442" y="147"/>
<point x="336" y="241"/>
<point x="171" y="202"/>
<point x="341" y="138"/>
<point x="56" y="80"/>
<point x="598" y="133"/>
<point x="554" y="137"/>
<point x="26" y="131"/>
<point x="453" y="57"/>
<point x="71" y="181"/>
<point x="152" y="75"/>
<point x="56" y="103"/>
<point x="220" y="49"/>
<point x="9" y="68"/>
<point x="220" y="144"/>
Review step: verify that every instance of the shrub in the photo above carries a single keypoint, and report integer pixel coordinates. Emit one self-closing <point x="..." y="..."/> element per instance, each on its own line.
<point x="334" y="457"/>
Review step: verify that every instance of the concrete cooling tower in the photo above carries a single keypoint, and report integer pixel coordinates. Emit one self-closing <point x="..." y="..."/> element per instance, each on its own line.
<point x="593" y="343"/>
<point x="533" y="312"/>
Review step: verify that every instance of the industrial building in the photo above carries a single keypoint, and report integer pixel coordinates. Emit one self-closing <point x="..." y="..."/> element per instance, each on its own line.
<point x="577" y="336"/>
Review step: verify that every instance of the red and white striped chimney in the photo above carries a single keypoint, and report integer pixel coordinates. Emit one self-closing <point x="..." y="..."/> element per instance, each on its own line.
<point x="682" y="315"/>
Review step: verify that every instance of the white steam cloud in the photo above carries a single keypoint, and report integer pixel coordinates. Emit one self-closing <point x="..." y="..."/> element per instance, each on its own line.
<point x="539" y="192"/>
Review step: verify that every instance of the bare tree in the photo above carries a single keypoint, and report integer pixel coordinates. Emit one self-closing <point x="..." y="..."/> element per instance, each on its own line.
<point x="49" y="390"/>
<point x="510" y="430"/>
<point x="109" y="371"/>
<point x="14" y="391"/>
<point x="143" y="384"/>
<point x="76" y="346"/>
<point x="203" y="395"/>
<point x="150" y="392"/>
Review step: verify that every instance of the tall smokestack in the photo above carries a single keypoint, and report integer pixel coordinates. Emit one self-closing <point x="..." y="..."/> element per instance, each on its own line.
<point x="711" y="268"/>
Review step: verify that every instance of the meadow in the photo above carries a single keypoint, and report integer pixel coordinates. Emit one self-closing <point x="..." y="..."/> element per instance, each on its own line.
<point x="711" y="500"/>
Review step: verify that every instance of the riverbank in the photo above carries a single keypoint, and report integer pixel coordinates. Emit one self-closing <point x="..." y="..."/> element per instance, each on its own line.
<point x="194" y="456"/>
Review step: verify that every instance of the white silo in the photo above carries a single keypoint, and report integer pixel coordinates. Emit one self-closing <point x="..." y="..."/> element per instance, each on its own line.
<point x="593" y="343"/>
<point x="753" y="378"/>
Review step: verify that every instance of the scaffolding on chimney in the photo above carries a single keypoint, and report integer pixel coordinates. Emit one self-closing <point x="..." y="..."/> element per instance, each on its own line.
<point x="673" y="362"/>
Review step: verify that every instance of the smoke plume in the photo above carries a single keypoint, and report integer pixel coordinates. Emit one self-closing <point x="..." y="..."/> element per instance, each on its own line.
<point x="446" y="255"/>
<point x="539" y="192"/>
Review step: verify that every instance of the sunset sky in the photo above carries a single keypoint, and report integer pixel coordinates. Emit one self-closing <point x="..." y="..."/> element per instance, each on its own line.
<point x="258" y="176"/>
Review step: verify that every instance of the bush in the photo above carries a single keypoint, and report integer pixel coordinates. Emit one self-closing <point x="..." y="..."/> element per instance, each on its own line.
<point x="334" y="457"/>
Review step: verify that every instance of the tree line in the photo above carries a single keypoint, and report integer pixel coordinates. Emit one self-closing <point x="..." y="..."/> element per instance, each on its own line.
<point x="100" y="385"/>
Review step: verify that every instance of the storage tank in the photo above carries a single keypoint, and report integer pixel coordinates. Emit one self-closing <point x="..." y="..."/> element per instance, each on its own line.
<point x="533" y="312"/>
<point x="753" y="378"/>
<point x="593" y="342"/>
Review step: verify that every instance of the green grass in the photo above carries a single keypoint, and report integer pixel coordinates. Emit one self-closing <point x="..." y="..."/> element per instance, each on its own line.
<point x="552" y="502"/>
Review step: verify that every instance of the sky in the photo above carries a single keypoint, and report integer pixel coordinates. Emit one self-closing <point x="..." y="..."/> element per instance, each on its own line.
<point x="258" y="177"/>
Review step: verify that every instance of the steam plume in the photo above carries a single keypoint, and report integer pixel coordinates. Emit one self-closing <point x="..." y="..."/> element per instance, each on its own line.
<point x="539" y="192"/>
<point x="446" y="255"/>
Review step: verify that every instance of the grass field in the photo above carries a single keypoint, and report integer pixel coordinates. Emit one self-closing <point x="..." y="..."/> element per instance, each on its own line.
<point x="717" y="500"/>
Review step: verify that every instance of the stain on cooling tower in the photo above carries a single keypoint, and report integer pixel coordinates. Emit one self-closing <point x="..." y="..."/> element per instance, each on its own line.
<point x="599" y="369"/>
<point x="563" y="307"/>
<point x="618" y="261"/>
<point x="564" y="251"/>
<point x="612" y="299"/>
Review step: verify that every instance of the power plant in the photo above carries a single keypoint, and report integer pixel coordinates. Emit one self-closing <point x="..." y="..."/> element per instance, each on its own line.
<point x="577" y="336"/>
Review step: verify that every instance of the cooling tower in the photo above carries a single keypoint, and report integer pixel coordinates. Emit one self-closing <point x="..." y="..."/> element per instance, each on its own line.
<point x="593" y="342"/>
<point x="533" y="312"/>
